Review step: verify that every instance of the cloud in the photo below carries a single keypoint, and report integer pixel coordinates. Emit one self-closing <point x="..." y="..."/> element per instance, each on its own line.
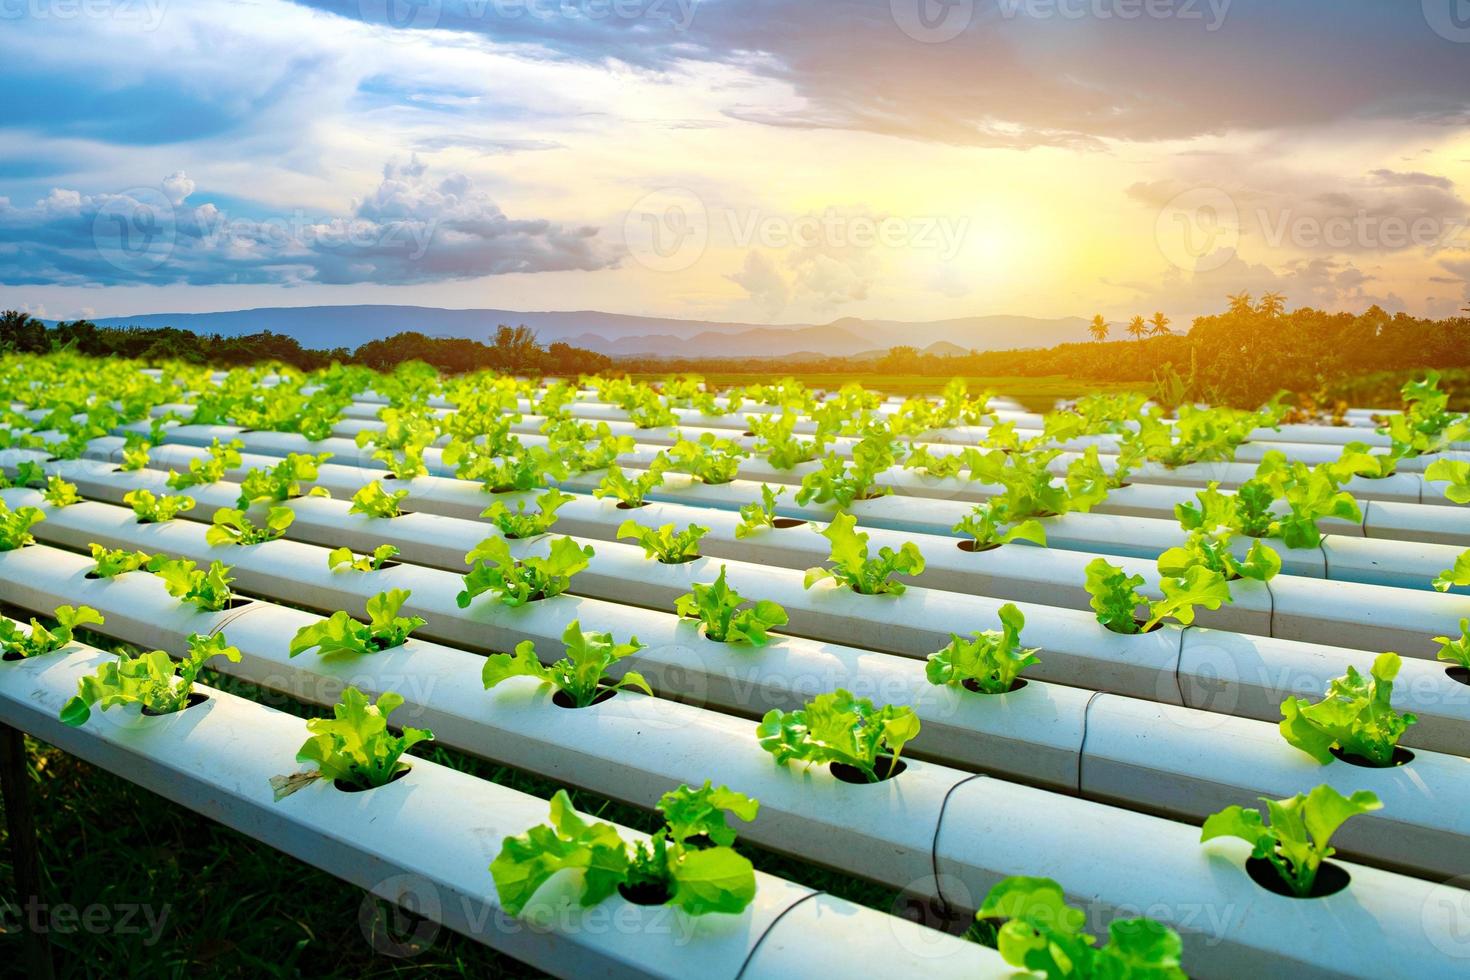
<point x="763" y="284"/>
<point x="411" y="228"/>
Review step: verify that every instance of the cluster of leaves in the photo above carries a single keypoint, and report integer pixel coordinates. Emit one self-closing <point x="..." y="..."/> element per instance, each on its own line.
<point x="209" y="589"/>
<point x="283" y="481"/>
<point x="222" y="458"/>
<point x="1042" y="934"/>
<point x="515" y="583"/>
<point x="341" y="634"/>
<point x="840" y="481"/>
<point x="673" y="864"/>
<point x="581" y="675"/>
<point x="373" y="501"/>
<point x="989" y="525"/>
<point x="725" y="616"/>
<point x="60" y="493"/>
<point x="41" y="640"/>
<point x="778" y="442"/>
<point x="1426" y="425"/>
<point x="711" y="460"/>
<point x="1356" y="717"/>
<point x="668" y="545"/>
<point x="152" y="680"/>
<point x="233" y="526"/>
<point x="370" y="562"/>
<point x="630" y="491"/>
<point x="1211" y="550"/>
<point x="1295" y="840"/>
<point x="134" y="452"/>
<point x="520" y="523"/>
<point x="15" y="526"/>
<point x="840" y="728"/>
<point x="851" y="566"/>
<point x="152" y="509"/>
<point x="989" y="662"/>
<point x="1116" y="599"/>
<point x="354" y="745"/>
<point x="110" y="563"/>
<point x="1456" y="651"/>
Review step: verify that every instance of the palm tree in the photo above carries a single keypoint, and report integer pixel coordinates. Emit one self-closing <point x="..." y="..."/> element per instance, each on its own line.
<point x="1099" y="328"/>
<point x="1240" y="303"/>
<point x="1272" y="304"/>
<point x="1160" y="325"/>
<point x="1136" y="328"/>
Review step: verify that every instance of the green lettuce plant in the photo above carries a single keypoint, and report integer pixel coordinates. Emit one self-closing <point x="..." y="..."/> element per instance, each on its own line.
<point x="1356" y="717"/>
<point x="520" y="523"/>
<point x="988" y="525"/>
<point x="669" y="866"/>
<point x="355" y="745"/>
<point x="1295" y="840"/>
<point x="1116" y="599"/>
<point x="725" y="616"/>
<point x="851" y="566"/>
<point x="1042" y="934"/>
<point x="839" y="728"/>
<point x="209" y="590"/>
<point x="759" y="515"/>
<point x="1211" y="550"/>
<point x="629" y="491"/>
<point x="989" y="662"/>
<point x="232" y="526"/>
<point x="669" y="546"/>
<point x="40" y="640"/>
<point x="1457" y="576"/>
<point x="223" y="457"/>
<point x="15" y="526"/>
<point x="515" y="583"/>
<point x="1456" y="473"/>
<point x="341" y="634"/>
<point x="134" y="453"/>
<point x="153" y="680"/>
<point x="1456" y="651"/>
<point x="372" y="562"/>
<point x="373" y="501"/>
<point x="710" y="460"/>
<point x="60" y="493"/>
<point x="840" y="482"/>
<point x="283" y="481"/>
<point x="152" y="509"/>
<point x="581" y="675"/>
<point x="109" y="563"/>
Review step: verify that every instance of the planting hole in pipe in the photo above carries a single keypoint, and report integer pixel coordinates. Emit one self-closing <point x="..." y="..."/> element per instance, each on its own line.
<point x="883" y="768"/>
<point x="972" y="547"/>
<point x="646" y="893"/>
<point x="564" y="700"/>
<point x="1459" y="674"/>
<point x="1331" y="879"/>
<point x="971" y="685"/>
<point x="783" y="522"/>
<point x="1401" y="757"/>
<point x="195" y="697"/>
<point x="624" y="505"/>
<point x="344" y="786"/>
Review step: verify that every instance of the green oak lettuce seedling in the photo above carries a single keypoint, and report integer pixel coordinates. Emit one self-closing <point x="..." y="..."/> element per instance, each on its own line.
<point x="759" y="515"/>
<point x="373" y="501"/>
<point x="15" y="526"/>
<point x="988" y="525"/>
<point x="521" y="523"/>
<point x="1456" y="473"/>
<point x="711" y="460"/>
<point x="111" y="563"/>
<point x="1043" y="934"/>
<point x="59" y="493"/>
<point x="852" y="567"/>
<point x="152" y="509"/>
<point x="232" y="526"/>
<point x="283" y="481"/>
<point x="340" y="633"/>
<point x="839" y="728"/>
<point x="1212" y="551"/>
<point x="719" y="608"/>
<point x="1356" y="717"/>
<point x="1456" y="651"/>
<point x="40" y="640"/>
<point x="630" y="491"/>
<point x="209" y="590"/>
<point x="698" y="880"/>
<point x="1457" y="576"/>
<point x="1295" y="841"/>
<point x="990" y="661"/>
<point x="134" y="453"/>
<point x="1116" y="599"/>
<point x="153" y="680"/>
<point x="580" y="675"/>
<point x="383" y="553"/>
<point x="515" y="583"/>
<point x="354" y="745"/>
<point x="222" y="458"/>
<point x="669" y="546"/>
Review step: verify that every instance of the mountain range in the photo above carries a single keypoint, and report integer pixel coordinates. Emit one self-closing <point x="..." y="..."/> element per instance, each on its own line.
<point x="625" y="335"/>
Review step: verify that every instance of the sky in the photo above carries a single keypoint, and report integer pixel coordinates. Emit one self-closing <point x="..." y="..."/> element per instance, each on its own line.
<point x="781" y="161"/>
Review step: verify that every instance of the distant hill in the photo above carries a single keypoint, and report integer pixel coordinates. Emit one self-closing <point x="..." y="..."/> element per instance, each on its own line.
<point x="618" y="334"/>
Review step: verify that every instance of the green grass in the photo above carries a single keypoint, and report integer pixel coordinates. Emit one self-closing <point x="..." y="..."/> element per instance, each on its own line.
<point x="231" y="906"/>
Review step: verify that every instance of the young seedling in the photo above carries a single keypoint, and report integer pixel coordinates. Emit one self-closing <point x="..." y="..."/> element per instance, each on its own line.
<point x="1247" y="511"/>
<point x="990" y="662"/>
<point x="664" y="543"/>
<point x="281" y="482"/>
<point x="1457" y="576"/>
<point x="223" y="457"/>
<point x="629" y="492"/>
<point x="153" y="680"/>
<point x="15" y="526"/>
<point x="843" y="729"/>
<point x="19" y="645"/>
<point x="1211" y="550"/>
<point x="373" y="501"/>
<point x="1456" y="473"/>
<point x="152" y="509"/>
<point x="134" y="453"/>
<point x="711" y="460"/>
<point x="520" y="523"/>
<point x="380" y="555"/>
<point x="1295" y="841"/>
<point x="1116" y="599"/>
<point x="341" y="634"/>
<point x="759" y="515"/>
<point x="668" y="869"/>
<point x="841" y="481"/>
<point x="233" y="526"/>
<point x="988" y="525"/>
<point x="580" y="676"/>
<point x="59" y="493"/>
<point x="209" y="590"/>
<point x="1356" y="717"/>
<point x="112" y="563"/>
<point x="354" y="747"/>
<point x="1043" y="935"/>
<point x="852" y="567"/>
<point x="515" y="583"/>
<point x="1457" y="651"/>
<point x="718" y="607"/>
